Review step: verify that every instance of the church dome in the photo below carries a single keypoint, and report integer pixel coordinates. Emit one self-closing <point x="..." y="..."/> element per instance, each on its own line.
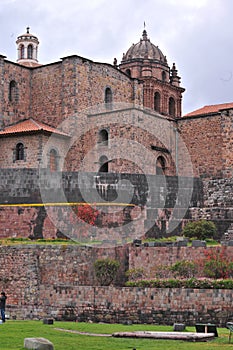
<point x="144" y="49"/>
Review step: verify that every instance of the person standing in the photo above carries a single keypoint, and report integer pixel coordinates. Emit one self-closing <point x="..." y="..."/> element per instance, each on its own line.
<point x="3" y="298"/>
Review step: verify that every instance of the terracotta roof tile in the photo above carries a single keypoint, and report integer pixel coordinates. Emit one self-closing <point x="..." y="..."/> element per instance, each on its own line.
<point x="28" y="126"/>
<point x="210" y="109"/>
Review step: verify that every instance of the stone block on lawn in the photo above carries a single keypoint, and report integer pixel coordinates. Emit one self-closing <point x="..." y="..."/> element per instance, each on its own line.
<point x="47" y="321"/>
<point x="197" y="243"/>
<point x="178" y="327"/>
<point x="38" y="344"/>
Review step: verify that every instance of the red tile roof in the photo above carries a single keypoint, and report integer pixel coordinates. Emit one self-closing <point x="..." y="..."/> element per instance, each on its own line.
<point x="30" y="126"/>
<point x="211" y="109"/>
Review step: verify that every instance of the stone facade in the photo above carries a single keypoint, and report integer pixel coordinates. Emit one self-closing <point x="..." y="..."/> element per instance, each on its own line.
<point x="123" y="122"/>
<point x="208" y="139"/>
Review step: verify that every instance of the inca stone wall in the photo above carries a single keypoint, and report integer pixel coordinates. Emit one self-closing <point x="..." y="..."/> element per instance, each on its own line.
<point x="59" y="282"/>
<point x="217" y="203"/>
<point x="155" y="196"/>
<point x="165" y="200"/>
<point x="148" y="258"/>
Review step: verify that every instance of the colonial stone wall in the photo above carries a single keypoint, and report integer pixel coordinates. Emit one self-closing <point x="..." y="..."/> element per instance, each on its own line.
<point x="227" y="128"/>
<point x="52" y="92"/>
<point x="204" y="140"/>
<point x="19" y="107"/>
<point x="136" y="138"/>
<point x="59" y="282"/>
<point x="75" y="84"/>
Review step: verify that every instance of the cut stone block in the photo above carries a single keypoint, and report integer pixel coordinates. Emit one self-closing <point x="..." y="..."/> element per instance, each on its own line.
<point x="38" y="344"/>
<point x="47" y="321"/>
<point x="197" y="243"/>
<point x="178" y="327"/>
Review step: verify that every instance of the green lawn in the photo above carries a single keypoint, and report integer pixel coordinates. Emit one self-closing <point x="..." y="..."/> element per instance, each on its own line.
<point x="12" y="335"/>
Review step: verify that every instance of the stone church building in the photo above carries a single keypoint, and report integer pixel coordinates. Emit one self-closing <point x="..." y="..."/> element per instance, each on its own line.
<point x="76" y="115"/>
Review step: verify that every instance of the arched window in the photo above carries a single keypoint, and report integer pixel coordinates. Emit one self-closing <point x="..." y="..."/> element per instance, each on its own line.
<point x="21" y="51"/>
<point x="13" y="96"/>
<point x="108" y="97"/>
<point x="157" y="101"/>
<point x="103" y="137"/>
<point x="103" y="164"/>
<point x="30" y="51"/>
<point x="160" y="165"/>
<point x="163" y="76"/>
<point x="19" y="154"/>
<point x="128" y="72"/>
<point x="172" y="107"/>
<point x="53" y="160"/>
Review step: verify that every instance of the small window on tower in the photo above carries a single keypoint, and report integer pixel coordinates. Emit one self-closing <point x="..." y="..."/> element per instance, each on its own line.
<point x="21" y="51"/>
<point x="128" y="72"/>
<point x="157" y="101"/>
<point x="163" y="76"/>
<point x="172" y="107"/>
<point x="30" y="50"/>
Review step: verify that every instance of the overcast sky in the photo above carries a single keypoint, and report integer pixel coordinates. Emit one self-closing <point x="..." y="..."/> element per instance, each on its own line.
<point x="195" y="34"/>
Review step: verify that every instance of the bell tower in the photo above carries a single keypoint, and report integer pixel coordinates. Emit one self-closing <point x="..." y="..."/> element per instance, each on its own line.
<point x="161" y="84"/>
<point x="27" y="46"/>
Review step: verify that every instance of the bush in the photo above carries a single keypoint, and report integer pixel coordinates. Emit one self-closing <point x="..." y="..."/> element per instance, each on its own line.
<point x="135" y="274"/>
<point x="184" y="268"/>
<point x="106" y="270"/>
<point x="216" y="265"/>
<point x="201" y="229"/>
<point x="193" y="283"/>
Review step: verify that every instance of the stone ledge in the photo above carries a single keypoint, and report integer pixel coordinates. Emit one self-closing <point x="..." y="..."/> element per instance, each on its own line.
<point x="38" y="344"/>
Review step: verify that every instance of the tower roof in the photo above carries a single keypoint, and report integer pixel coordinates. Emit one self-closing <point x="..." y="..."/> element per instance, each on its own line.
<point x="144" y="49"/>
<point x="27" y="37"/>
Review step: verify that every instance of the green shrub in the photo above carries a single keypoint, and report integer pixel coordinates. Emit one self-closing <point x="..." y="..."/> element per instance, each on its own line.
<point x="106" y="270"/>
<point x="184" y="268"/>
<point x="201" y="229"/>
<point x="216" y="265"/>
<point x="135" y="274"/>
<point x="193" y="283"/>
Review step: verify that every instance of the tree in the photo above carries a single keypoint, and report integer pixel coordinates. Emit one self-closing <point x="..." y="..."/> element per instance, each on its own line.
<point x="201" y="229"/>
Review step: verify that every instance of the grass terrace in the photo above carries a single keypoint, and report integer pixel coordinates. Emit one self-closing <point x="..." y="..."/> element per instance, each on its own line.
<point x="82" y="336"/>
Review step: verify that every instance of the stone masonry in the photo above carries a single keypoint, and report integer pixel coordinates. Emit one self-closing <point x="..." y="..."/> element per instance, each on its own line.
<point x="59" y="282"/>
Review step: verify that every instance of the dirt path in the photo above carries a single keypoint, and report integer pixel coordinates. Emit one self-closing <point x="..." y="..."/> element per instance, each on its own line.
<point x="83" y="333"/>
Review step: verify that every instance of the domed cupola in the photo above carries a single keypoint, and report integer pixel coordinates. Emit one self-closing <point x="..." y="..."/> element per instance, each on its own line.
<point x="27" y="45"/>
<point x="144" y="49"/>
<point x="161" y="84"/>
<point x="144" y="59"/>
